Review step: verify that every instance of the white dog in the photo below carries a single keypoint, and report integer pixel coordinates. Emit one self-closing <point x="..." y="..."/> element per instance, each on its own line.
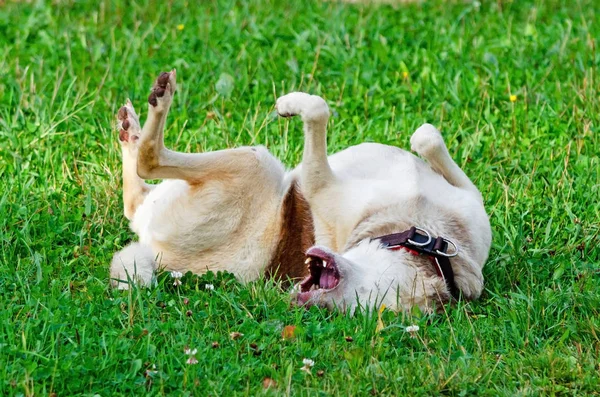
<point x="381" y="222"/>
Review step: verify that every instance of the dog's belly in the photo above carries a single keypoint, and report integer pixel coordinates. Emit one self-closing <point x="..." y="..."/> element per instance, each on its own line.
<point x="375" y="176"/>
<point x="374" y="161"/>
<point x="372" y="176"/>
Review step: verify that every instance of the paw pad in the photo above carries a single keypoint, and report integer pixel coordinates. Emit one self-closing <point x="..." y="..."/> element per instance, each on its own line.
<point x="161" y="86"/>
<point x="124" y="125"/>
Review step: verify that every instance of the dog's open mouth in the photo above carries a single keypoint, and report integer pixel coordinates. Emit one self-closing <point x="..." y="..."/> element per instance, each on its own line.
<point x="324" y="274"/>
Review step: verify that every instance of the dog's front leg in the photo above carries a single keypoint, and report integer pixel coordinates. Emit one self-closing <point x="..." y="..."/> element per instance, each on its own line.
<point x="316" y="172"/>
<point x="427" y="141"/>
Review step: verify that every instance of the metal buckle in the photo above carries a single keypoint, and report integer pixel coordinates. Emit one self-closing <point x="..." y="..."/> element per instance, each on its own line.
<point x="426" y="233"/>
<point x="452" y="254"/>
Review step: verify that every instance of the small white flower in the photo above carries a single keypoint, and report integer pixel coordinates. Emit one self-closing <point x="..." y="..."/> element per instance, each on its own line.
<point x="177" y="276"/>
<point x="192" y="355"/>
<point x="412" y="330"/>
<point x="190" y="352"/>
<point x="192" y="360"/>
<point x="209" y="286"/>
<point x="308" y="364"/>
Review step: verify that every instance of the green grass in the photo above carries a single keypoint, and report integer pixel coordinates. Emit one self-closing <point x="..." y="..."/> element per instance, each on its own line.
<point x="66" y="69"/>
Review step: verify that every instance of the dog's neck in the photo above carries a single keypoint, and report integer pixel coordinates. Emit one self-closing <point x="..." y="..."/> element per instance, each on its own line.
<point x="387" y="221"/>
<point x="296" y="235"/>
<point x="380" y="223"/>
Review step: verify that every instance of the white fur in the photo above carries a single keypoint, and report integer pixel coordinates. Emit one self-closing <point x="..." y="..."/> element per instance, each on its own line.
<point x="222" y="210"/>
<point x="134" y="263"/>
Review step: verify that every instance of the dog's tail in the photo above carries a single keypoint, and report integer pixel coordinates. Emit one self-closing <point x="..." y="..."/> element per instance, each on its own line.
<point x="133" y="264"/>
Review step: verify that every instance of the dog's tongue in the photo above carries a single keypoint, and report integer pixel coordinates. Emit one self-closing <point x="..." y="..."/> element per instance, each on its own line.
<point x="327" y="280"/>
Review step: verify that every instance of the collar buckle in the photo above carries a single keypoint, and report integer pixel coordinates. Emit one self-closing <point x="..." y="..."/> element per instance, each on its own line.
<point x="422" y="232"/>
<point x="420" y="240"/>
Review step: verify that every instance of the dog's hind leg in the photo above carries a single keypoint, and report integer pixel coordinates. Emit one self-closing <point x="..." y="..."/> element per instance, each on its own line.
<point x="133" y="264"/>
<point x="429" y="144"/>
<point x="316" y="172"/>
<point x="134" y="187"/>
<point x="154" y="161"/>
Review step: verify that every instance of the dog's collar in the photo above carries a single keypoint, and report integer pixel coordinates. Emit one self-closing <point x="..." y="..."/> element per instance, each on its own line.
<point x="419" y="241"/>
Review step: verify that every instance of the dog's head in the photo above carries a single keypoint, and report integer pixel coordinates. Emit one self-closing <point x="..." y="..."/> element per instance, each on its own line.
<point x="366" y="275"/>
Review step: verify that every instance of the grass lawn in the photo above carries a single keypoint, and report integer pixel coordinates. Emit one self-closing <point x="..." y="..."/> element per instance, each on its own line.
<point x="513" y="85"/>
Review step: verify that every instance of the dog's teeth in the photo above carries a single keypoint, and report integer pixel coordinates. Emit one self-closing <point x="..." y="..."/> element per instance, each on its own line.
<point x="307" y="261"/>
<point x="324" y="263"/>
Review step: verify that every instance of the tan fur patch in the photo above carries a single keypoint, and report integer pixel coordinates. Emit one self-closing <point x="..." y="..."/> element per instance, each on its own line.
<point x="296" y="236"/>
<point x="147" y="157"/>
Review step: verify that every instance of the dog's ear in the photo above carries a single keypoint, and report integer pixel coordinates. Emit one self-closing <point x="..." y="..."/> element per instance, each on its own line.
<point x="295" y="237"/>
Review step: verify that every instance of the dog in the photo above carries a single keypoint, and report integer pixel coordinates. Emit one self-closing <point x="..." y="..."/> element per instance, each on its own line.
<point x="370" y="225"/>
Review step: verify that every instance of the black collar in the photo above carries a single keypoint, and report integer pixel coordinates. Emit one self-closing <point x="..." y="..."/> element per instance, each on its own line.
<point x="419" y="240"/>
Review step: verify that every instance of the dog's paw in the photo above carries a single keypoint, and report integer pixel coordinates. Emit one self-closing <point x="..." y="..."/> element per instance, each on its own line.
<point x="128" y="125"/>
<point x="309" y="107"/>
<point x="163" y="90"/>
<point x="427" y="141"/>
